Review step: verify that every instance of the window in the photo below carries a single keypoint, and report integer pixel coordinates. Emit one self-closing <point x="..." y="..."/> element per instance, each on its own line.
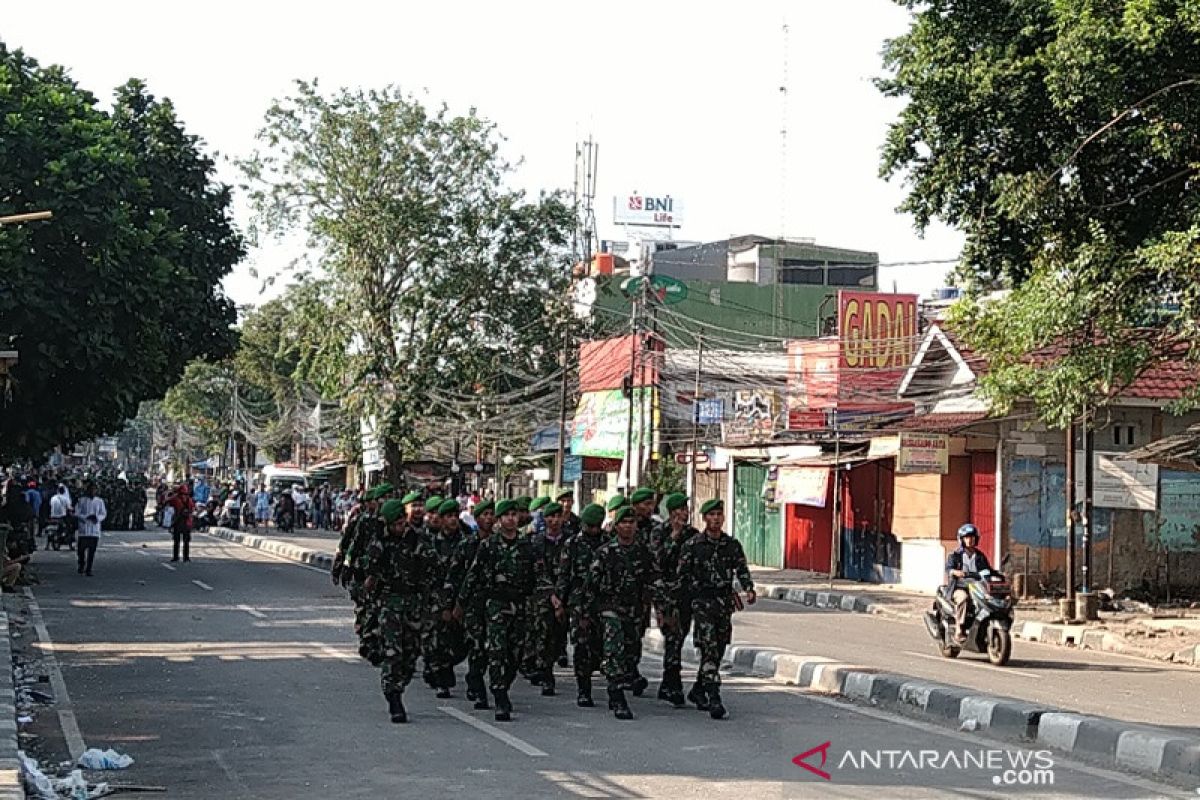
<point x="845" y="275"/>
<point x="1123" y="434"/>
<point x="810" y="276"/>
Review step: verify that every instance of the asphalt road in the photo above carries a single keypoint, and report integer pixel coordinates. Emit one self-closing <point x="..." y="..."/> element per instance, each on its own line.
<point x="234" y="676"/>
<point x="1087" y="681"/>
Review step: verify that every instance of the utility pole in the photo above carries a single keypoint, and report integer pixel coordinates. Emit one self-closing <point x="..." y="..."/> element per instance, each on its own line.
<point x="1068" y="608"/>
<point x="691" y="482"/>
<point x="560" y="459"/>
<point x="633" y="354"/>
<point x="1087" y="597"/>
<point x="836" y="528"/>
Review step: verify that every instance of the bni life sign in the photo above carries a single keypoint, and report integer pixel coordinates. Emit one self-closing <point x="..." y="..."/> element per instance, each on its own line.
<point x="654" y="211"/>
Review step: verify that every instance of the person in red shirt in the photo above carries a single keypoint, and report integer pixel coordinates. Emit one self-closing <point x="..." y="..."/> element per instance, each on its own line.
<point x="181" y="523"/>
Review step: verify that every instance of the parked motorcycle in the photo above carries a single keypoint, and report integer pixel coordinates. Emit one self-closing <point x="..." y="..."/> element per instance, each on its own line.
<point x="59" y="533"/>
<point x="989" y="619"/>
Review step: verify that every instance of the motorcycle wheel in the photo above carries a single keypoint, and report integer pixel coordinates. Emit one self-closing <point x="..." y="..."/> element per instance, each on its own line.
<point x="949" y="650"/>
<point x="999" y="646"/>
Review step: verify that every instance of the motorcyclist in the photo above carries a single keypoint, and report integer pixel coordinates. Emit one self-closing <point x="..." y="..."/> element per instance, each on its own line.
<point x="965" y="562"/>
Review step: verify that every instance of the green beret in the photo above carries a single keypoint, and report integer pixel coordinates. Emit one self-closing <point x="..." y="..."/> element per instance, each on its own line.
<point x="716" y="504"/>
<point x="592" y="514"/>
<point x="538" y="502"/>
<point x="412" y="497"/>
<point x="677" y="500"/>
<point x="484" y="505"/>
<point x="392" y="510"/>
<point x="641" y="495"/>
<point x="617" y="502"/>
<point x="622" y="513"/>
<point x="371" y="494"/>
<point x="449" y="507"/>
<point x="523" y="503"/>
<point x="383" y="489"/>
<point x="505" y="506"/>
<point x="551" y="509"/>
<point x="432" y="502"/>
<point x="565" y="493"/>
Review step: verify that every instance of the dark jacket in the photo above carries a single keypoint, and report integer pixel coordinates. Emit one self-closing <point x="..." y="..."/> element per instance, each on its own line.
<point x="955" y="561"/>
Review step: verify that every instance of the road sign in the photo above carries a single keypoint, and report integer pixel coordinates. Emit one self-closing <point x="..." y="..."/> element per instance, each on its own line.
<point x="668" y="290"/>
<point x="687" y="458"/>
<point x="572" y="469"/>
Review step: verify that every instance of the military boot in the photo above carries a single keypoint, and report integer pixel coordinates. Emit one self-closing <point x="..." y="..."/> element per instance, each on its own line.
<point x="698" y="696"/>
<point x="639" y="685"/>
<point x="444" y="678"/>
<point x="396" y="707"/>
<point x="584" y="700"/>
<point x="548" y="683"/>
<point x="617" y="702"/>
<point x="716" y="709"/>
<point x="503" y="706"/>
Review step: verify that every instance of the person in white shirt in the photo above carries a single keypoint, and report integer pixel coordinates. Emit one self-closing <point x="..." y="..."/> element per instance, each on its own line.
<point x="302" y="505"/>
<point x="60" y="508"/>
<point x="91" y="512"/>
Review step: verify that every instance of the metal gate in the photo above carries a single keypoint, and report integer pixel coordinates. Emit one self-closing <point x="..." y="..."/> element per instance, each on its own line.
<point x="754" y="525"/>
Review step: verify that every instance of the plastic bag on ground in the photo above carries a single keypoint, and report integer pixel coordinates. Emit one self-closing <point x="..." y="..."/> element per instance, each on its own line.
<point x="37" y="784"/>
<point x="94" y="758"/>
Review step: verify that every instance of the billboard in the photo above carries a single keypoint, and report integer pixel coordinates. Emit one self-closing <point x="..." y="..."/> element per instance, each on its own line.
<point x="923" y="452"/>
<point x="656" y="211"/>
<point x="601" y="423"/>
<point x="877" y="331"/>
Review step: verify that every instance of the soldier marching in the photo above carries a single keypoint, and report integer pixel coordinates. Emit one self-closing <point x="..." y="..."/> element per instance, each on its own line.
<point x="528" y="581"/>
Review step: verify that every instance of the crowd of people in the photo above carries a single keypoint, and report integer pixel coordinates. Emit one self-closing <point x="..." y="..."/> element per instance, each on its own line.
<point x="509" y="585"/>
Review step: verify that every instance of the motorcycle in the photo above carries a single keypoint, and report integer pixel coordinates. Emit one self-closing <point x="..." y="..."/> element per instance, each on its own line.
<point x="60" y="532"/>
<point x="989" y="618"/>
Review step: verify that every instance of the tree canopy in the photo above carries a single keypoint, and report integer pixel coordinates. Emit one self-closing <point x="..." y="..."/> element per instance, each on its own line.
<point x="1063" y="137"/>
<point x="444" y="289"/>
<point x="108" y="301"/>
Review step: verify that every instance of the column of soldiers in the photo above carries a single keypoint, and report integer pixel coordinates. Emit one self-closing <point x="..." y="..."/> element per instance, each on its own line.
<point x="507" y="597"/>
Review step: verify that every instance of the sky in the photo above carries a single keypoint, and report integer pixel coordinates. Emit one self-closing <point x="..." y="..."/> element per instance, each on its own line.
<point x="682" y="99"/>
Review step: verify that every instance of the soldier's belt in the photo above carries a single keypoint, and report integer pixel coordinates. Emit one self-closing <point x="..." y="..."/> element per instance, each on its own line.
<point x="507" y="595"/>
<point x="719" y="593"/>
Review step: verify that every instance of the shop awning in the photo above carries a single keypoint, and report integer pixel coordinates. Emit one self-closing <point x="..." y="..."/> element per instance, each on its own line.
<point x="1179" y="452"/>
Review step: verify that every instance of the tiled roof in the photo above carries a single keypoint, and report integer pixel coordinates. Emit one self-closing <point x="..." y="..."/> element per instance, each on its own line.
<point x="942" y="422"/>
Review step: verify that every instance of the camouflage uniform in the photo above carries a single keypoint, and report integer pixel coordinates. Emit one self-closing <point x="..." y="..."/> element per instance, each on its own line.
<point x="707" y="568"/>
<point x="474" y="622"/>
<point x="548" y="636"/>
<point x="505" y="572"/>
<point x="366" y="529"/>
<point x="406" y="587"/>
<point x="621" y="580"/>
<point x="575" y="564"/>
<point x="442" y="643"/>
<point x="676" y="605"/>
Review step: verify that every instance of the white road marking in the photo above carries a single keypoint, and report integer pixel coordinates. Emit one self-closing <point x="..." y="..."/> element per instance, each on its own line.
<point x="254" y="612"/>
<point x="143" y="552"/>
<point x="66" y="714"/>
<point x="978" y="664"/>
<point x="203" y="585"/>
<point x="165" y="565"/>
<point x="494" y="732"/>
<point x="332" y="653"/>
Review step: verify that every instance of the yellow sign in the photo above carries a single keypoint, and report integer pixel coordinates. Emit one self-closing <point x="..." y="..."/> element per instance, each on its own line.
<point x="923" y="452"/>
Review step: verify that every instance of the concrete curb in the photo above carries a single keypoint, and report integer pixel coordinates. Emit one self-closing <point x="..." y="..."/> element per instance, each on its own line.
<point x="1086" y="637"/>
<point x="854" y="602"/>
<point x="316" y="558"/>
<point x="1121" y="745"/>
<point x="11" y="787"/>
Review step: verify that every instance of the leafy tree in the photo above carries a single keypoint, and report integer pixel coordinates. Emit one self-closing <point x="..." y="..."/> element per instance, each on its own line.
<point x="107" y="302"/>
<point x="1063" y="137"/>
<point x="442" y="285"/>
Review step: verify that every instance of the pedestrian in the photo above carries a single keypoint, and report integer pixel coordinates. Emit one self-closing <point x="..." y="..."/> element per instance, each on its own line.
<point x="548" y="639"/>
<point x="708" y="565"/>
<point x="505" y="573"/>
<point x="404" y="578"/>
<point x="183" y="511"/>
<point x="575" y="565"/>
<point x="60" y="507"/>
<point x="666" y="543"/>
<point x="474" y="607"/>
<point x="621" y="579"/>
<point x="91" y="512"/>
<point x="367" y="528"/>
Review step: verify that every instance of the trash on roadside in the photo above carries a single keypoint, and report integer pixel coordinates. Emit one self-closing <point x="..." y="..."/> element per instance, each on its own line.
<point x="24" y="719"/>
<point x="37" y="785"/>
<point x="94" y="758"/>
<point x="40" y="697"/>
<point x="969" y="725"/>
